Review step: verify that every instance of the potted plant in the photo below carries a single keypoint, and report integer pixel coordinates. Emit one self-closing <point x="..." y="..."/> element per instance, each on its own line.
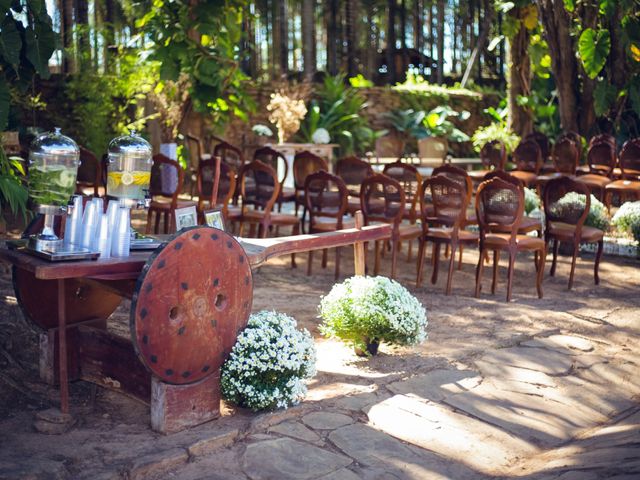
<point x="365" y="311"/>
<point x="269" y="363"/>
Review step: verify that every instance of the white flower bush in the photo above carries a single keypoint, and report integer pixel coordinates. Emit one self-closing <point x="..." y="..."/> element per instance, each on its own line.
<point x="627" y="219"/>
<point x="321" y="135"/>
<point x="531" y="201"/>
<point x="269" y="363"/>
<point x="597" y="216"/>
<point x="367" y="308"/>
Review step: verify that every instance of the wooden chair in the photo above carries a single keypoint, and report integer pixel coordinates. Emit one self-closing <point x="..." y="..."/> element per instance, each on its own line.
<point x="527" y="224"/>
<point x="165" y="186"/>
<point x="198" y="152"/>
<point x="461" y="177"/>
<point x="450" y="201"/>
<point x="304" y="164"/>
<point x="493" y="156"/>
<point x="565" y="222"/>
<point x="565" y="161"/>
<point x="261" y="198"/>
<point x="278" y="162"/>
<point x="411" y="181"/>
<point x="89" y="180"/>
<point x="601" y="158"/>
<point x="389" y="146"/>
<point x="326" y="197"/>
<point x="230" y="155"/>
<point x="211" y="195"/>
<point x="382" y="200"/>
<point x="499" y="208"/>
<point x="528" y="159"/>
<point x="543" y="142"/>
<point x="353" y="171"/>
<point x="629" y="184"/>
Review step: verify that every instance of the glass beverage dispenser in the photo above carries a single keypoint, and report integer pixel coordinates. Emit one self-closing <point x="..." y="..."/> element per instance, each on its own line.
<point x="53" y="166"/>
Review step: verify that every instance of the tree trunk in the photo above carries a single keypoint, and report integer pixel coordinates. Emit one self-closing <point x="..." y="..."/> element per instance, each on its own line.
<point x="417" y="26"/>
<point x="391" y="43"/>
<point x="66" y="31"/>
<point x="308" y="38"/>
<point x="84" y="42"/>
<point x="482" y="39"/>
<point x="332" y="37"/>
<point x="441" y="11"/>
<point x="557" y="28"/>
<point x="403" y="26"/>
<point x="520" y="119"/>
<point x="350" y="20"/>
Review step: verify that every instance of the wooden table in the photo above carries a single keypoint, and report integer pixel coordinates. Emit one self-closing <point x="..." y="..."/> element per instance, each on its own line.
<point x="289" y="150"/>
<point x="87" y="292"/>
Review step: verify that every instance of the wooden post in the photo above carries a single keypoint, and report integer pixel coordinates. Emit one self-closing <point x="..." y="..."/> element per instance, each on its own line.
<point x="358" y="247"/>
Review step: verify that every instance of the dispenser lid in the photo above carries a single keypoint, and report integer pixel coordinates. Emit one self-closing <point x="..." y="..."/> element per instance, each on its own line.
<point x="130" y="145"/>
<point x="54" y="145"/>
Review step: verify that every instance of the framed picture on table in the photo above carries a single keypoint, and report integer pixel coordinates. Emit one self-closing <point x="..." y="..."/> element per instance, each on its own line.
<point x="214" y="218"/>
<point x="186" y="217"/>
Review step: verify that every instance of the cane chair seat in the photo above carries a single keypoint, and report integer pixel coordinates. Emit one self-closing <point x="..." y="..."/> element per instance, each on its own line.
<point x="523" y="242"/>
<point x="445" y="233"/>
<point x="527" y="178"/>
<point x="566" y="232"/>
<point x="629" y="182"/>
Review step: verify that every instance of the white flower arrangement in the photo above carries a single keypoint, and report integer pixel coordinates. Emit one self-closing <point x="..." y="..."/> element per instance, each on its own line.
<point x="367" y="308"/>
<point x="627" y="219"/>
<point x="321" y="136"/>
<point x="261" y="130"/>
<point x="269" y="363"/>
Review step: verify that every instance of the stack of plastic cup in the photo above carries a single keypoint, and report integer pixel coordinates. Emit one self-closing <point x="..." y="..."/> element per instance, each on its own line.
<point x="121" y="233"/>
<point x="99" y="203"/>
<point x="73" y="223"/>
<point x="104" y="238"/>
<point x="89" y="225"/>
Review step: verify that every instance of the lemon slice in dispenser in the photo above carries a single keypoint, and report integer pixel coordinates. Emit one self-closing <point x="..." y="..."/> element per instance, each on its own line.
<point x="127" y="178"/>
<point x="112" y="181"/>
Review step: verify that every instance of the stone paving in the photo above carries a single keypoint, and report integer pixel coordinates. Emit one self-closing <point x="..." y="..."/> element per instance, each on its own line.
<point x="534" y="389"/>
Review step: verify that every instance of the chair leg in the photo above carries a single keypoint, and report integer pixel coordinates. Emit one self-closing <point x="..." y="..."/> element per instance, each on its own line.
<point x="147" y="229"/>
<point x="422" y="244"/>
<point x="436" y="262"/>
<point x="376" y="263"/>
<point x="337" y="273"/>
<point x="325" y="252"/>
<point x="576" y="246"/>
<point x="540" y="275"/>
<point x="596" y="277"/>
<point x="496" y="262"/>
<point x="452" y="262"/>
<point x="394" y="256"/>
<point x="554" y="261"/>
<point x="479" y="269"/>
<point x="512" y="261"/>
<point x="309" y="263"/>
<point x="166" y="222"/>
<point x="409" y="250"/>
<point x="460" y="257"/>
<point x="295" y="230"/>
<point x="156" y="226"/>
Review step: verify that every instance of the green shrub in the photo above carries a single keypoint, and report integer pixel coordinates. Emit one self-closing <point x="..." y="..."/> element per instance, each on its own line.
<point x="627" y="219"/>
<point x="597" y="216"/>
<point x="531" y="201"/>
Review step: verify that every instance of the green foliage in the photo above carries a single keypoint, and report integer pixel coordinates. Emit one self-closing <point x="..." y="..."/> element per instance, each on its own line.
<point x="360" y="82"/>
<point x="417" y="85"/>
<point x="594" y="47"/>
<point x="597" y="217"/>
<point x="201" y="41"/>
<point x="13" y="192"/>
<point x="338" y="109"/>
<point x="408" y="122"/>
<point x="368" y="308"/>
<point x="419" y="124"/>
<point x="497" y="130"/>
<point x="531" y="201"/>
<point x="27" y="41"/>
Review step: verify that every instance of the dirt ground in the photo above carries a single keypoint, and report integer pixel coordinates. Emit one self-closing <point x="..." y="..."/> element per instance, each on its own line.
<point x="113" y="433"/>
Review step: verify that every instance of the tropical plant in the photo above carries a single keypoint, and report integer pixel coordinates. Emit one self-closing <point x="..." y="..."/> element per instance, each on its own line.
<point x="13" y="192"/>
<point x="27" y="42"/>
<point x="496" y="130"/>
<point x="362" y="309"/>
<point x="338" y="109"/>
<point x="269" y="363"/>
<point x="419" y="124"/>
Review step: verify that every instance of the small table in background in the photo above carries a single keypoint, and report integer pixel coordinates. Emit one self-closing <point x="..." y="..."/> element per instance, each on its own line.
<point x="289" y="150"/>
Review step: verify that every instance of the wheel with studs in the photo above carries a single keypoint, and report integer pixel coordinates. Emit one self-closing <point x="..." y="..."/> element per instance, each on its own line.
<point x="191" y="300"/>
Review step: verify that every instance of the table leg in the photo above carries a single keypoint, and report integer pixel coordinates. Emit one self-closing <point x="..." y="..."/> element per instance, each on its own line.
<point x="62" y="352"/>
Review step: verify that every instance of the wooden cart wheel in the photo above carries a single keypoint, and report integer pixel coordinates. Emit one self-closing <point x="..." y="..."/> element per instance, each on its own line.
<point x="191" y="300"/>
<point x="38" y="299"/>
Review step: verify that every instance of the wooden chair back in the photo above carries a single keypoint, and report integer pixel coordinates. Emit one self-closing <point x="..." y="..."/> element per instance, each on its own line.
<point x="353" y="171"/>
<point x="629" y="159"/>
<point x="499" y="208"/>
<point x="411" y="181"/>
<point x="601" y="158"/>
<point x="449" y="201"/>
<point x="166" y="178"/>
<point x="565" y="156"/>
<point x="456" y="174"/>
<point x="575" y="137"/>
<point x="206" y="187"/>
<point x="493" y="155"/>
<point x="560" y="208"/>
<point x="543" y="142"/>
<point x="326" y="195"/>
<point x="506" y="176"/>
<point x="304" y="164"/>
<point x="275" y="159"/>
<point x="382" y="200"/>
<point x="259" y="186"/>
<point x="89" y="171"/>
<point x="528" y="157"/>
<point x="230" y="155"/>
<point x="603" y="137"/>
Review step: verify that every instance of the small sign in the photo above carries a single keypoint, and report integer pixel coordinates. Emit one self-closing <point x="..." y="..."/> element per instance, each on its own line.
<point x="214" y="218"/>
<point x="186" y="217"/>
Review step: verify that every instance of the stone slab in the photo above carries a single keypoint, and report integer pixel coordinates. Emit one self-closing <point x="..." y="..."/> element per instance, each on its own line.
<point x="542" y="360"/>
<point x="326" y="420"/>
<point x="433" y="427"/>
<point x="286" y="458"/>
<point x="296" y="430"/>
<point x="342" y="474"/>
<point x="570" y="342"/>
<point x="157" y="463"/>
<point x="385" y="457"/>
<point x="437" y="385"/>
<point x="207" y="446"/>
